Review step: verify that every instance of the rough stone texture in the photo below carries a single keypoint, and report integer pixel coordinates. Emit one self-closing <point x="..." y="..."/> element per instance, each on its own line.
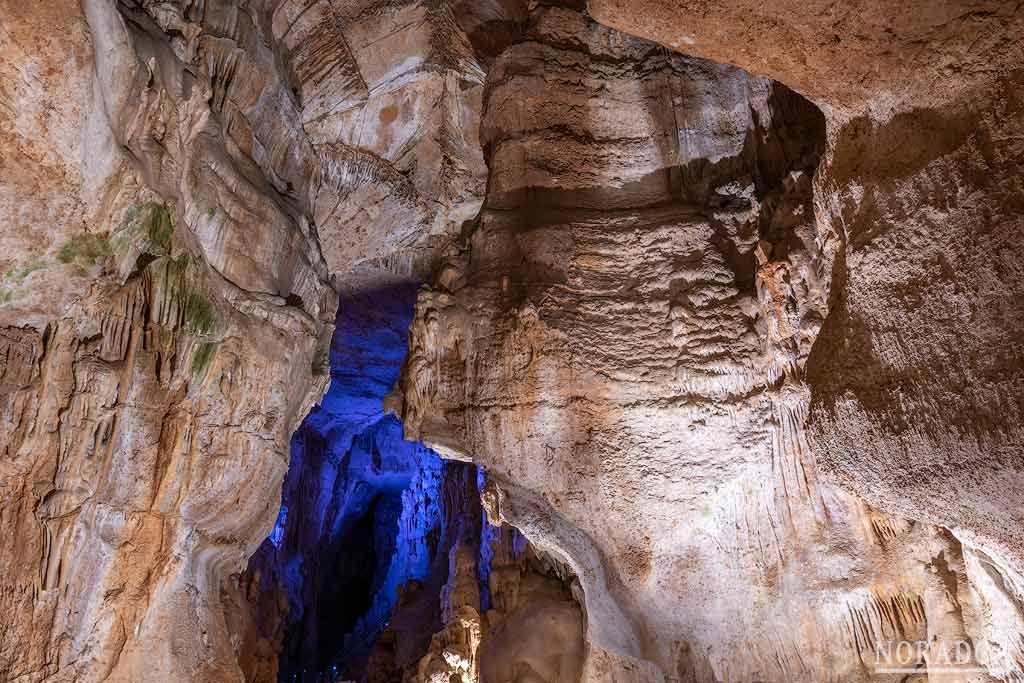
<point x="917" y="376"/>
<point x="145" y="394"/>
<point x="388" y="95"/>
<point x="623" y="345"/>
<point x="510" y="613"/>
<point x="170" y="182"/>
<point x="658" y="293"/>
<point x="62" y="172"/>
<point x="151" y="378"/>
<point x="879" y="56"/>
<point x="535" y="628"/>
<point x="133" y="453"/>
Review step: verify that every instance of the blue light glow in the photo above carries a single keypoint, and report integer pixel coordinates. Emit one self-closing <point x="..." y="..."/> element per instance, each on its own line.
<point x="361" y="509"/>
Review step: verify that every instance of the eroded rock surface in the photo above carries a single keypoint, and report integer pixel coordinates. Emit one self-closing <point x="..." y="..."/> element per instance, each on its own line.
<point x="623" y="345"/>
<point x="150" y="390"/>
<point x="917" y="374"/>
<point x="664" y="294"/>
<point x="176" y="199"/>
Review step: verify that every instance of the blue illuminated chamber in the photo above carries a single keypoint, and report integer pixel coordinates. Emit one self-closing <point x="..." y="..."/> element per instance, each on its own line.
<point x="363" y="512"/>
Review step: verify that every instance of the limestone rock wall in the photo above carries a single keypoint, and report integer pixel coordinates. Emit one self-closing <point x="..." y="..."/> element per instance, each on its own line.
<point x="624" y="344"/>
<point x="509" y="611"/>
<point x="151" y="378"/>
<point x="135" y="471"/>
<point x="916" y="377"/>
<point x="176" y="195"/>
<point x="859" y="57"/>
<point x="665" y="295"/>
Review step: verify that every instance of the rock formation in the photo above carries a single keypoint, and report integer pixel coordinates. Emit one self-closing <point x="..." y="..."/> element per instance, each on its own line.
<point x="722" y="296"/>
<point x="624" y="345"/>
<point x="167" y="308"/>
<point x="917" y="374"/>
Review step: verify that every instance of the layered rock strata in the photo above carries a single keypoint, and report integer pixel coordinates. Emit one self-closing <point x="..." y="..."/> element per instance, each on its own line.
<point x="623" y="344"/>
<point x="179" y="184"/>
<point x="688" y="289"/>
<point x="149" y="394"/>
<point x="917" y="374"/>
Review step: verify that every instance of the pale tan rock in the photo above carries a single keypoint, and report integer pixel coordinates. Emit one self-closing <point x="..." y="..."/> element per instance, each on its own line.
<point x="170" y="379"/>
<point x="636" y="386"/>
<point x="882" y="56"/>
<point x="918" y="371"/>
<point x="662" y="285"/>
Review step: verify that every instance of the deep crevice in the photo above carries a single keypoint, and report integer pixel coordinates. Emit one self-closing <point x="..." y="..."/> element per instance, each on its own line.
<point x="354" y="566"/>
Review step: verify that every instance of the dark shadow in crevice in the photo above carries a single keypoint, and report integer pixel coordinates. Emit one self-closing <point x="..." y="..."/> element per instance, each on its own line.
<point x="350" y="578"/>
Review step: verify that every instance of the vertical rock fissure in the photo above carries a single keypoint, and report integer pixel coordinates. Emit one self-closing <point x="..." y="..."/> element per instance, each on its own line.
<point x="367" y="518"/>
<point x="382" y="562"/>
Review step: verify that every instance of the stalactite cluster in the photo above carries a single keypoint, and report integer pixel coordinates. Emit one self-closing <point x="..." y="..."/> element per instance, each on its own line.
<point x="445" y="341"/>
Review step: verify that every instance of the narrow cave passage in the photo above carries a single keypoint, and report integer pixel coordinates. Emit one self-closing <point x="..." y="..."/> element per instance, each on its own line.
<point x="352" y="571"/>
